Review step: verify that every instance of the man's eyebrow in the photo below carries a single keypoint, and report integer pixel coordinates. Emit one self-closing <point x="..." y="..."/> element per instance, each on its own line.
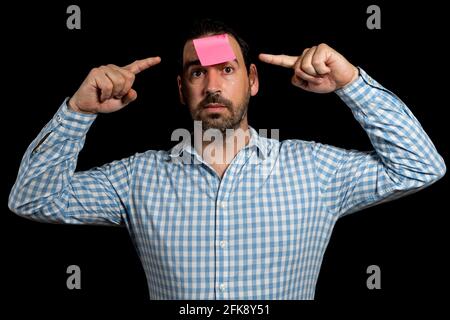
<point x="235" y="60"/>
<point x="191" y="63"/>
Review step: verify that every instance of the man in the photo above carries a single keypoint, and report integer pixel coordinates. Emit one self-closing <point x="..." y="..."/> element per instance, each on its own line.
<point x="254" y="226"/>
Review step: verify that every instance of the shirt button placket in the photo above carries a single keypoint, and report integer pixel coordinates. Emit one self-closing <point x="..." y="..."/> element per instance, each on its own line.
<point x="222" y="254"/>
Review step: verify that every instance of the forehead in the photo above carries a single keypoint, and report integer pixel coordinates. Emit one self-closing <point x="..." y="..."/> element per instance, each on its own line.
<point x="189" y="53"/>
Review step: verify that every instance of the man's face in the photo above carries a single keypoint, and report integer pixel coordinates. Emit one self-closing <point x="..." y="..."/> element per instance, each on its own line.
<point x="217" y="95"/>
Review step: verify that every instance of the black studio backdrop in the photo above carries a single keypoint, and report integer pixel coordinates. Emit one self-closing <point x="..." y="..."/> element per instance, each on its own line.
<point x="44" y="62"/>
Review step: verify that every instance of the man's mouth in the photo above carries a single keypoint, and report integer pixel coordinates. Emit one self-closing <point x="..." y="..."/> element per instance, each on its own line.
<point x="214" y="106"/>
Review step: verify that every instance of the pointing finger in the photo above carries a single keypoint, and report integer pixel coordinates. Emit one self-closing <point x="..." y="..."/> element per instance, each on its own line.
<point x="141" y="65"/>
<point x="279" y="60"/>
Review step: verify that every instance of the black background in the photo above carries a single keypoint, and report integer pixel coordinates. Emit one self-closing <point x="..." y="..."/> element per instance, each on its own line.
<point x="43" y="62"/>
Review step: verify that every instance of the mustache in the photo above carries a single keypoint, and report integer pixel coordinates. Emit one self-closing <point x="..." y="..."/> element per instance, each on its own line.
<point x="215" y="98"/>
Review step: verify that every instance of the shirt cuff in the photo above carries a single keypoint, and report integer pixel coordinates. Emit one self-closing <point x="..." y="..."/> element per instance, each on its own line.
<point x="360" y="91"/>
<point x="71" y="123"/>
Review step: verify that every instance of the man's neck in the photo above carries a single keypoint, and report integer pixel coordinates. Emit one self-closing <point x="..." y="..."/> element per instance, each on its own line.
<point x="219" y="148"/>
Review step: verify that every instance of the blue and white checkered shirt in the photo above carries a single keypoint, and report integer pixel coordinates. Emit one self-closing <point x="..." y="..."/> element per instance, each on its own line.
<point x="261" y="231"/>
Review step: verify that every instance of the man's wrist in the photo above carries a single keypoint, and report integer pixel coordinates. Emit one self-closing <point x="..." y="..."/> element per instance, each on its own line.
<point x="351" y="81"/>
<point x="355" y="76"/>
<point x="71" y="105"/>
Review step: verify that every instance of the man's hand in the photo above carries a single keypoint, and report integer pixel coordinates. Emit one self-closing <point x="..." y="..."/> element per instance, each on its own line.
<point x="108" y="88"/>
<point x="319" y="69"/>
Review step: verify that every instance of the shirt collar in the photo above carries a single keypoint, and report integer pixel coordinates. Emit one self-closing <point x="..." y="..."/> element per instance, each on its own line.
<point x="256" y="141"/>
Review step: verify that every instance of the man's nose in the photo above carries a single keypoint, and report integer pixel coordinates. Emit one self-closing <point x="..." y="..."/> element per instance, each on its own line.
<point x="213" y="82"/>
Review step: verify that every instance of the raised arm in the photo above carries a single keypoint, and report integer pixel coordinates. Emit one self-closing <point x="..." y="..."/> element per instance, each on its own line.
<point x="404" y="159"/>
<point x="47" y="187"/>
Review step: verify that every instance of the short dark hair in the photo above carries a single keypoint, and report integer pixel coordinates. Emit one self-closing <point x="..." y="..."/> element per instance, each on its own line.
<point x="214" y="27"/>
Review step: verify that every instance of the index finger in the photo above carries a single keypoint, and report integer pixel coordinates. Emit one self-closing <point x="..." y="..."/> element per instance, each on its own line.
<point x="140" y="65"/>
<point x="279" y="59"/>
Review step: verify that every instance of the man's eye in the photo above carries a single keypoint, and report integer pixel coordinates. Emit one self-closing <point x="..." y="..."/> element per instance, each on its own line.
<point x="228" y="69"/>
<point x="197" y="73"/>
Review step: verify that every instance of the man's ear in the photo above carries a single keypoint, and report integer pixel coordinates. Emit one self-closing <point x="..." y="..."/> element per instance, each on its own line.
<point x="253" y="79"/>
<point x="180" y="90"/>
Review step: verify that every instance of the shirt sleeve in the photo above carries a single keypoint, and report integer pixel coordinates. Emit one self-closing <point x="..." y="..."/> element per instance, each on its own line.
<point x="403" y="161"/>
<point x="48" y="189"/>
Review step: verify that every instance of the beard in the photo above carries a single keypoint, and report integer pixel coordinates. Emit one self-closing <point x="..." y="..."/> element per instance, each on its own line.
<point x="230" y="119"/>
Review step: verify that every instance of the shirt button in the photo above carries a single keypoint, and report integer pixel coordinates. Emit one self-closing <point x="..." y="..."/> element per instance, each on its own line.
<point x="223" y="205"/>
<point x="223" y="244"/>
<point x="222" y="287"/>
<point x="58" y="118"/>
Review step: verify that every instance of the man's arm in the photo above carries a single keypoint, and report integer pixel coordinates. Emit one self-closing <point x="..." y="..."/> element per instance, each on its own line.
<point x="48" y="190"/>
<point x="404" y="159"/>
<point x="47" y="187"/>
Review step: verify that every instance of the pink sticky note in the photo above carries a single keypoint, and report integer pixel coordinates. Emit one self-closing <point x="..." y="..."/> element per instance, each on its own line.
<point x="214" y="50"/>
